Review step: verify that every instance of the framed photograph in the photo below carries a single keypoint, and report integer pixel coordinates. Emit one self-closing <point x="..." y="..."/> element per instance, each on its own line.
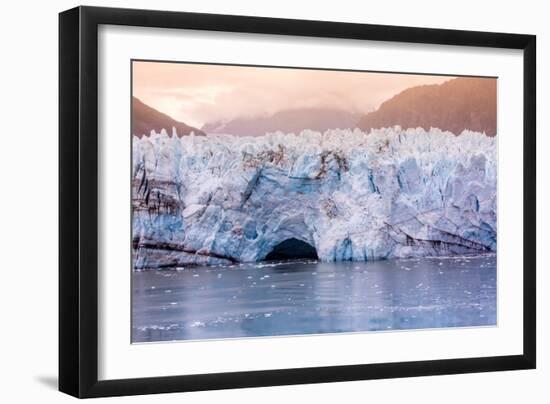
<point x="251" y="201"/>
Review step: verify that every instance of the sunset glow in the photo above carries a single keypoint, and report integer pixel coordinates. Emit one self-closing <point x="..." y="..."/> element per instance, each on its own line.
<point x="199" y="93"/>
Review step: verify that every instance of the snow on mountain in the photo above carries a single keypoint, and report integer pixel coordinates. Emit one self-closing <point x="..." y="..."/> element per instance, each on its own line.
<point x="222" y="199"/>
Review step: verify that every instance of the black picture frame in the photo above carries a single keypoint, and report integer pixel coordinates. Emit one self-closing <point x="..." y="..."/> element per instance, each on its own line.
<point x="78" y="200"/>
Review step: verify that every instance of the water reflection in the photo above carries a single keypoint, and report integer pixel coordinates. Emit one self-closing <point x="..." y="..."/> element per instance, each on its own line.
<point x="308" y="297"/>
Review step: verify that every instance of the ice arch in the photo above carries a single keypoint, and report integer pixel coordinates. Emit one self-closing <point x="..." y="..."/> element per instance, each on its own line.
<point x="292" y="248"/>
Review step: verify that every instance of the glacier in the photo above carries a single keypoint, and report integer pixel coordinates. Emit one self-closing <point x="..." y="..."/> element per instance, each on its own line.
<point x="389" y="193"/>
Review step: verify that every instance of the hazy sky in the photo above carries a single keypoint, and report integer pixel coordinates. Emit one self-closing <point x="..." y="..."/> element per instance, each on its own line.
<point x="196" y="94"/>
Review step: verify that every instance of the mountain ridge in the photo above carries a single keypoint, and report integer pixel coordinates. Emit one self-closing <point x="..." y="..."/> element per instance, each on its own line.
<point x="289" y="120"/>
<point x="146" y="118"/>
<point x="455" y="105"/>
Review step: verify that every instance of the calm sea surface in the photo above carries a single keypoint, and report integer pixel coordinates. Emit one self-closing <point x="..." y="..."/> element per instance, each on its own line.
<point x="309" y="297"/>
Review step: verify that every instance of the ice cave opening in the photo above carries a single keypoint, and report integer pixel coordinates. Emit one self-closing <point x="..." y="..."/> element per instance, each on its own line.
<point x="292" y="248"/>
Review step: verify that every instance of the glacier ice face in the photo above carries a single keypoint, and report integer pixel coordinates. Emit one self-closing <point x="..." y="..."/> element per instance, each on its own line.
<point x="353" y="196"/>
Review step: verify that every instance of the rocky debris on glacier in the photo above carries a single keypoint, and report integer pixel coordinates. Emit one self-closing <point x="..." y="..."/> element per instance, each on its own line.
<point x="223" y="199"/>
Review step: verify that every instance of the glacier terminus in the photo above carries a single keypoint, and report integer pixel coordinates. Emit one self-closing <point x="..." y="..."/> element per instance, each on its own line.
<point x="347" y="194"/>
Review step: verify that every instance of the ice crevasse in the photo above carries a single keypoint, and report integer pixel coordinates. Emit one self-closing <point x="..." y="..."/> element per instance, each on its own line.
<point x="349" y="194"/>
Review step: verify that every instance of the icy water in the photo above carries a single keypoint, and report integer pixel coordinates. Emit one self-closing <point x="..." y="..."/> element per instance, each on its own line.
<point x="309" y="297"/>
